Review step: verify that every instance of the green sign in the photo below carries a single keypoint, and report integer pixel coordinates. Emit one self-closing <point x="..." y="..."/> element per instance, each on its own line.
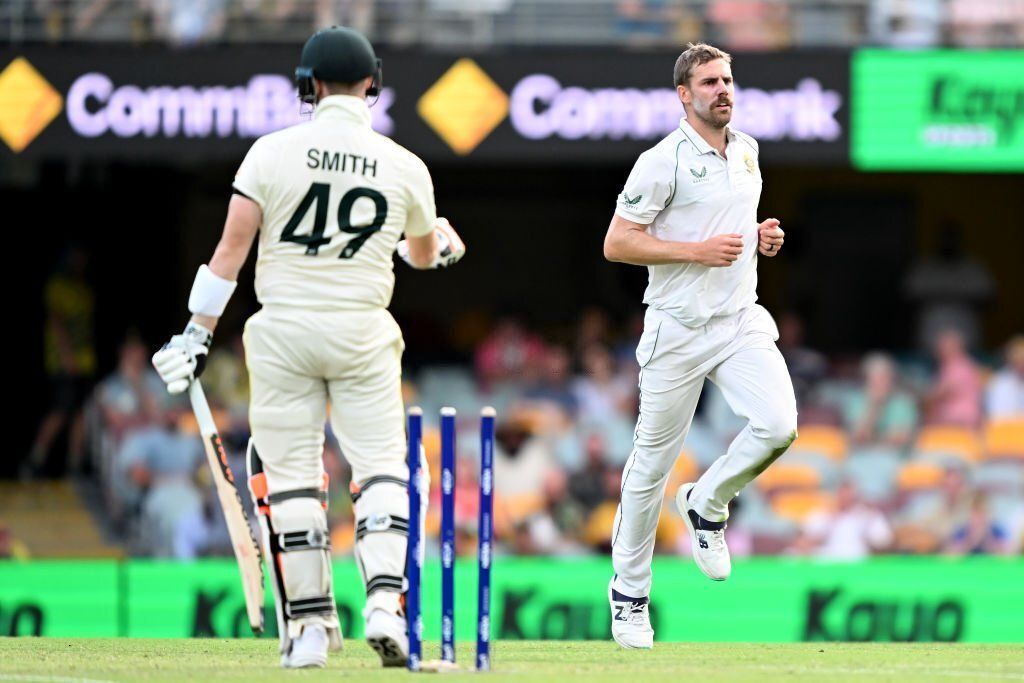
<point x="942" y="110"/>
<point x="57" y="598"/>
<point x="765" y="600"/>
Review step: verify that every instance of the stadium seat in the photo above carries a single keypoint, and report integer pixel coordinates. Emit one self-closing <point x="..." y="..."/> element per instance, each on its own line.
<point x="187" y="421"/>
<point x="828" y="441"/>
<point x="919" y="476"/>
<point x="949" y="442"/>
<point x="684" y="470"/>
<point x="782" y="477"/>
<point x="829" y="471"/>
<point x="1000" y="476"/>
<point x="873" y="472"/>
<point x="520" y="507"/>
<point x="797" y="506"/>
<point x="1004" y="439"/>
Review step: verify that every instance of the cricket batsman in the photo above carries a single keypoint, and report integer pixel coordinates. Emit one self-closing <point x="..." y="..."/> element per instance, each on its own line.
<point x="330" y="199"/>
<point x="688" y="212"/>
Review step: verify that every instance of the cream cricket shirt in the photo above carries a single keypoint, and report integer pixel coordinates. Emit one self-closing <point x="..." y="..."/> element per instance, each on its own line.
<point x="336" y="198"/>
<point x="684" y="191"/>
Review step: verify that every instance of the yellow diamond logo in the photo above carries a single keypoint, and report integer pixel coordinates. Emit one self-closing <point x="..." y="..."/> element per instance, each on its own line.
<point x="28" y="103"/>
<point x="464" y="106"/>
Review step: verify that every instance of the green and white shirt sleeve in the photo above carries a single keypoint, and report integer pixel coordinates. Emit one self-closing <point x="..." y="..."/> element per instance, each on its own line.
<point x="648" y="189"/>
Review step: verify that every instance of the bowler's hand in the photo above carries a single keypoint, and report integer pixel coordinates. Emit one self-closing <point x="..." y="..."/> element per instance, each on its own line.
<point x="720" y="251"/>
<point x="770" y="237"/>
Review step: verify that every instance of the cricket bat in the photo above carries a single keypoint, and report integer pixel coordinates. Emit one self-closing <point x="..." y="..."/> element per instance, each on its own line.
<point x="247" y="549"/>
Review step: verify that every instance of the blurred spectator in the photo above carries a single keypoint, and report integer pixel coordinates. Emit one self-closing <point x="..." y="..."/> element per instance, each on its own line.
<point x="133" y="395"/>
<point x="357" y="14"/>
<point x="521" y="461"/>
<point x="109" y="20"/>
<point x="189" y="22"/>
<point x="70" y="358"/>
<point x="977" y="533"/>
<point x="854" y="530"/>
<point x="541" y="532"/>
<point x="589" y="486"/>
<point x="553" y="387"/>
<point x="10" y="547"/>
<point x="806" y="366"/>
<point x="879" y="413"/>
<point x="1004" y="397"/>
<point x="594" y="327"/>
<point x="162" y="461"/>
<point x="226" y="379"/>
<point x="739" y="535"/>
<point x="906" y="23"/>
<point x="750" y="24"/>
<point x="987" y="23"/>
<point x="955" y="399"/>
<point x="200" y="531"/>
<point x="949" y="288"/>
<point x="601" y="393"/>
<point x="641" y="22"/>
<point x="510" y="353"/>
<point x="925" y="523"/>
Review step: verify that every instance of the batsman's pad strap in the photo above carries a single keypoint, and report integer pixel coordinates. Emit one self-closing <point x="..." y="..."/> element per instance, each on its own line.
<point x="303" y="540"/>
<point x="385" y="582"/>
<point x="321" y="604"/>
<point x="357" y="491"/>
<point x="281" y="496"/>
<point x="380" y="524"/>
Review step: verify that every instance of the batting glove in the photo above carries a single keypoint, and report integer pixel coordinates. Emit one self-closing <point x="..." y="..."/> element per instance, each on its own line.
<point x="450" y="247"/>
<point x="183" y="358"/>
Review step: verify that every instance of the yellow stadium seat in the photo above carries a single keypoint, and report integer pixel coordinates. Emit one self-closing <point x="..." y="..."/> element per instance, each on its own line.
<point x="784" y="476"/>
<point x="957" y="441"/>
<point x="597" y="531"/>
<point x="187" y="423"/>
<point x="919" y="476"/>
<point x="797" y="506"/>
<point x="684" y="470"/>
<point x="1004" y="439"/>
<point x="824" y="439"/>
<point x="521" y="506"/>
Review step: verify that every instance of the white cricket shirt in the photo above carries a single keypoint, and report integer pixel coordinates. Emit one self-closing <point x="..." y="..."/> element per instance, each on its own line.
<point x="336" y="198"/>
<point x="684" y="191"/>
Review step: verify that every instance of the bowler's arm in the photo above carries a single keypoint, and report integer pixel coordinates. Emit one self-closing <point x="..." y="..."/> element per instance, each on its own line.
<point x="629" y="242"/>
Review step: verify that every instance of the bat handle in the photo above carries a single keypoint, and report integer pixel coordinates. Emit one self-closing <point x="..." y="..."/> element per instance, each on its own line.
<point x="201" y="408"/>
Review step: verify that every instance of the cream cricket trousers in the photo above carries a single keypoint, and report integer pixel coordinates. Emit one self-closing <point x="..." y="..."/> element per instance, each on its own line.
<point x="738" y="354"/>
<point x="299" y="361"/>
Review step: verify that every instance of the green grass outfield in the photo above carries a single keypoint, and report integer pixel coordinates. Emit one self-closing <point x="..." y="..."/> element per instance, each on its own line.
<point x="252" y="661"/>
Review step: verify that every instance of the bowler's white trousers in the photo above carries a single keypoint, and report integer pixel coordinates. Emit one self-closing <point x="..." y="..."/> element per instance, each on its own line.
<point x="738" y="354"/>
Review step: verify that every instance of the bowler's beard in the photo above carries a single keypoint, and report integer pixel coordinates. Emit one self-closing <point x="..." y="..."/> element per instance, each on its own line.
<point x="713" y="118"/>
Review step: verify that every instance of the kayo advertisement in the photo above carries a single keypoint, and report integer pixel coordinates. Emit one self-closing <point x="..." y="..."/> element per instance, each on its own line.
<point x="940" y="110"/>
<point x="766" y="600"/>
<point x="536" y="106"/>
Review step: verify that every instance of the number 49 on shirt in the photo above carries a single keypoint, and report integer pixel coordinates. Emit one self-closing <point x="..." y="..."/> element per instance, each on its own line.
<point x="319" y="194"/>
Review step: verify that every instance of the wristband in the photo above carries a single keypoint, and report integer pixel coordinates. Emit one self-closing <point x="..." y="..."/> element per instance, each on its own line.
<point x="210" y="293"/>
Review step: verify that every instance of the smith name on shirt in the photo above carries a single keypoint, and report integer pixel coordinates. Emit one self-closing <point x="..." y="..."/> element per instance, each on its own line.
<point x="341" y="161"/>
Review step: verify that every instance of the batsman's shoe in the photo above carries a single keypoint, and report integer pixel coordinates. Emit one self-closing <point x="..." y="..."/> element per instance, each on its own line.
<point x="386" y="633"/>
<point x="309" y="650"/>
<point x="631" y="620"/>
<point x="707" y="539"/>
